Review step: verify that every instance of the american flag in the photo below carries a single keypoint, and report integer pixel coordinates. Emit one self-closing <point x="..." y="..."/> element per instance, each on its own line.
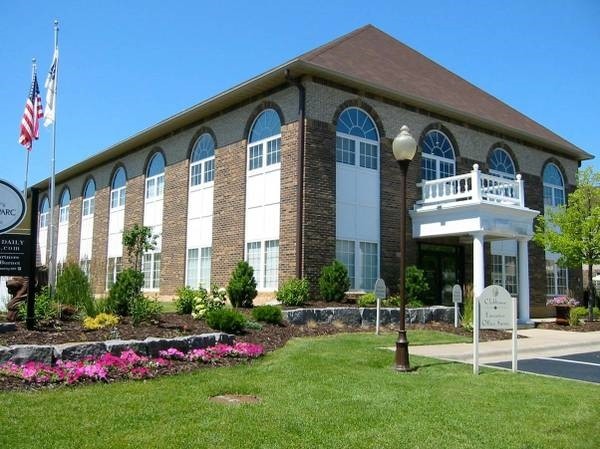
<point x="33" y="113"/>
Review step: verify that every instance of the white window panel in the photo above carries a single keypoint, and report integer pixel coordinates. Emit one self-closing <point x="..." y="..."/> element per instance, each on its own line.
<point x="254" y="223"/>
<point x="255" y="191"/>
<point x="367" y="222"/>
<point x="345" y="219"/>
<point x="87" y="227"/>
<point x="271" y="186"/>
<point x="367" y="193"/>
<point x="115" y="245"/>
<point x="43" y="245"/>
<point x="85" y="249"/>
<point x="271" y="222"/>
<point x="116" y="221"/>
<point x="346" y="184"/>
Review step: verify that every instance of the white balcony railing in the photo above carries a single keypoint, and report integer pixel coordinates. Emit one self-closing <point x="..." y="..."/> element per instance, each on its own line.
<point x="489" y="188"/>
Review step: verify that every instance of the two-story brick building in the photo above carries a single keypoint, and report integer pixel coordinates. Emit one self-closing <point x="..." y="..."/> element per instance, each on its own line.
<point x="294" y="168"/>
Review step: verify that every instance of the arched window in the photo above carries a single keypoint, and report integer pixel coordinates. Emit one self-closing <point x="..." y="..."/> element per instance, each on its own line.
<point x="357" y="209"/>
<point x="155" y="177"/>
<point x="202" y="164"/>
<point x="355" y="129"/>
<point x="44" y="212"/>
<point x="501" y="164"/>
<point x="118" y="189"/>
<point x="263" y="199"/>
<point x="264" y="143"/>
<point x="89" y="195"/>
<point x="437" y="157"/>
<point x="65" y="201"/>
<point x="554" y="187"/>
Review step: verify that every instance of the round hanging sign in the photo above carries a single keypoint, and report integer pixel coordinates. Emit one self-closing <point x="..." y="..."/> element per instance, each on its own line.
<point x="12" y="206"/>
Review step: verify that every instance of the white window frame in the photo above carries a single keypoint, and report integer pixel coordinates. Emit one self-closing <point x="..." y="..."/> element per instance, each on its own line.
<point x="264" y="145"/>
<point x="154" y="279"/>
<point x="359" y="274"/>
<point x="260" y="274"/>
<point x="117" y="198"/>
<point x="111" y="274"/>
<point x="502" y="274"/>
<point x="155" y="187"/>
<point x="202" y="262"/>
<point x="552" y="289"/>
<point x="63" y="214"/>
<point x="439" y="159"/>
<point x="555" y="189"/>
<point x="501" y="173"/>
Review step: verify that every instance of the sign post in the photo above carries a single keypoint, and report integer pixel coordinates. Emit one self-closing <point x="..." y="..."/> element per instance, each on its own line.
<point x="380" y="293"/>
<point x="494" y="309"/>
<point x="456" y="299"/>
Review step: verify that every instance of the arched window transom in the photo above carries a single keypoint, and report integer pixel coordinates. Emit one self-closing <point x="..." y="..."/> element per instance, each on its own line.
<point x="554" y="187"/>
<point x="355" y="129"/>
<point x="264" y="147"/>
<point x="501" y="164"/>
<point x="202" y="167"/>
<point x="438" y="157"/>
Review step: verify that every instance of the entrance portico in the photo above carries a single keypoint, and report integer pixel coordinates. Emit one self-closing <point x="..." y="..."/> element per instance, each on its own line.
<point x="485" y="208"/>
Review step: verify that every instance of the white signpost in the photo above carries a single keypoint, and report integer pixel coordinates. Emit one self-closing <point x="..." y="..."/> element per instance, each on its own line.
<point x="12" y="206"/>
<point x="380" y="292"/>
<point x="456" y="299"/>
<point x="494" y="309"/>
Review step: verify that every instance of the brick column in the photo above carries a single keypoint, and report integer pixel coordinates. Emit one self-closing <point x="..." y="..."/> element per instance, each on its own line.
<point x="229" y="210"/>
<point x="319" y="199"/>
<point x="288" y="202"/>
<point x="172" y="272"/>
<point x="99" y="245"/>
<point x="74" y="236"/>
<point x="134" y="208"/>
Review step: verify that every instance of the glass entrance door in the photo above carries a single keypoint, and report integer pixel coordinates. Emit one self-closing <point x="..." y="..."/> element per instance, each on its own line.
<point x="443" y="266"/>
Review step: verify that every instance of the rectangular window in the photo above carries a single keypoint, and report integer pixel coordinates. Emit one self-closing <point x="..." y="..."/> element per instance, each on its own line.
<point x="88" y="206"/>
<point x="369" y="257"/>
<point x="198" y="267"/>
<point x="151" y="270"/>
<point x="209" y="170"/>
<point x="150" y="188"/>
<point x="345" y="151"/>
<point x="63" y="214"/>
<point x="255" y="157"/>
<point x="44" y="220"/>
<point x="273" y="151"/>
<point x="195" y="174"/>
<point x="428" y="171"/>
<point x="271" y="264"/>
<point x="368" y="155"/>
<point x="504" y="272"/>
<point x="446" y="169"/>
<point x="192" y="268"/>
<point x="548" y="196"/>
<point x="155" y="187"/>
<point x="344" y="252"/>
<point x="113" y="267"/>
<point x="253" y="253"/>
<point x="117" y="198"/>
<point x="556" y="279"/>
<point x="85" y="265"/>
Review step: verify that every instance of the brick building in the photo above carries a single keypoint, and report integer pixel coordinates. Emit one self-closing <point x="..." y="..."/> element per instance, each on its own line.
<point x="294" y="168"/>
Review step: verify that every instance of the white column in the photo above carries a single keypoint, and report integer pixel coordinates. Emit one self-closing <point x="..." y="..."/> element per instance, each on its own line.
<point x="478" y="264"/>
<point x="523" y="281"/>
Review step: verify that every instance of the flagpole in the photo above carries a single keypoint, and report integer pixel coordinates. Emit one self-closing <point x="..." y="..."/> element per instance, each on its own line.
<point x="33" y="69"/>
<point x="52" y="256"/>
